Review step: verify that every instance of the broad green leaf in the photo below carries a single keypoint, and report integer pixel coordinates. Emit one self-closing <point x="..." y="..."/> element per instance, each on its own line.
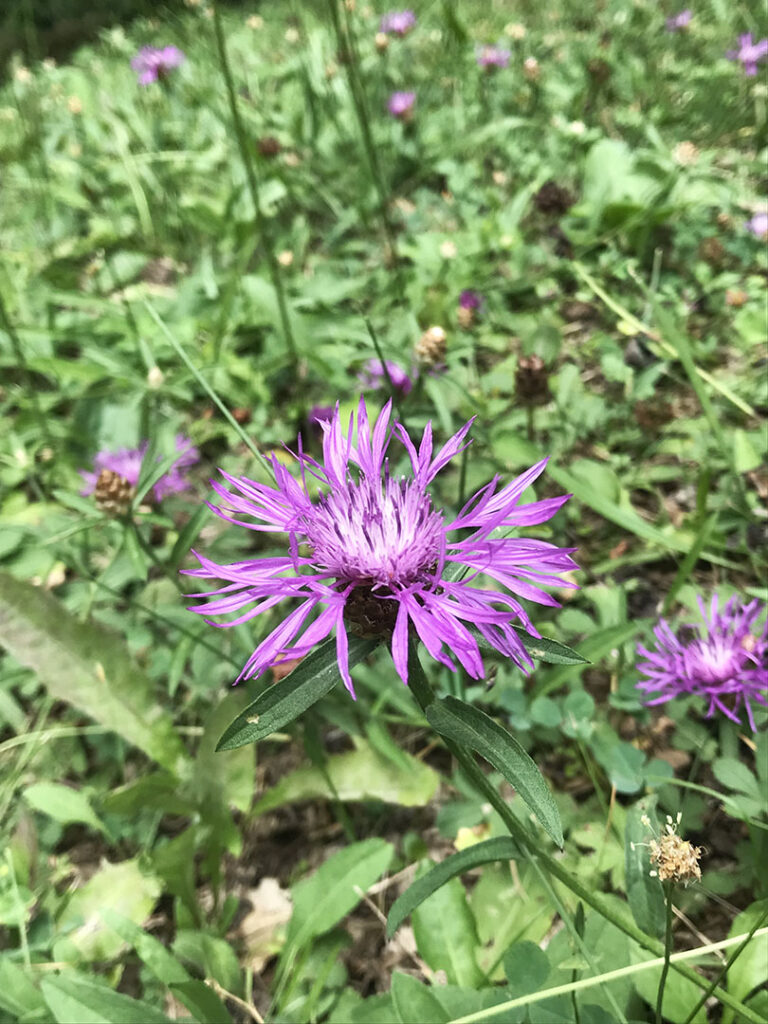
<point x="323" y="899"/>
<point x="86" y="666"/>
<point x="213" y="957"/>
<point x="446" y="934"/>
<point x="680" y="994"/>
<point x="83" y="934"/>
<point x="527" y="968"/>
<point x="62" y="803"/>
<point x="162" y="963"/>
<point x="224" y="778"/>
<point x="645" y="895"/>
<point x="501" y="848"/>
<point x="415" y="1002"/>
<point x="472" y="728"/>
<point x="282" y="702"/>
<point x="361" y="774"/>
<point x="18" y="995"/>
<point x="201" y="1001"/>
<point x="735" y="775"/>
<point x="749" y="968"/>
<point x="73" y="997"/>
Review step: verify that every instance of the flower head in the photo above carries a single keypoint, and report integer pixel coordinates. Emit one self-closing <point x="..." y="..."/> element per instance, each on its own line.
<point x="374" y="376"/>
<point x="398" y="23"/>
<point x="152" y="64"/>
<point x="749" y="53"/>
<point x="400" y="104"/>
<point x="125" y="464"/>
<point x="679" y="21"/>
<point x="725" y="662"/>
<point x="489" y="57"/>
<point x="470" y="299"/>
<point x="368" y="551"/>
<point x="758" y="225"/>
<point x="673" y="858"/>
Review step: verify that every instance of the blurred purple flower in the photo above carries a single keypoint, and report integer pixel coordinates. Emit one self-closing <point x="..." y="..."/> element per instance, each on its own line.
<point x="758" y="225"/>
<point x="373" y="376"/>
<point x="152" y="64"/>
<point x="470" y="299"/>
<point x="492" y="57"/>
<point x="319" y="414"/>
<point x="398" y="23"/>
<point x="749" y="53"/>
<point x="400" y="104"/>
<point x="126" y="462"/>
<point x="679" y="21"/>
<point x="725" y="663"/>
<point x="369" y="553"/>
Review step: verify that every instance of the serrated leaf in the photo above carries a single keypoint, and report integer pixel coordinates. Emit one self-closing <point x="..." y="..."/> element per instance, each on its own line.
<point x="501" y="848"/>
<point x="472" y="728"/>
<point x="317" y="675"/>
<point x="86" y="666"/>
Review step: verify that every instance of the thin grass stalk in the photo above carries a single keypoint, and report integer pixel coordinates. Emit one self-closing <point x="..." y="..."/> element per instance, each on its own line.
<point x="531" y="846"/>
<point x="667" y="953"/>
<point x="262" y="227"/>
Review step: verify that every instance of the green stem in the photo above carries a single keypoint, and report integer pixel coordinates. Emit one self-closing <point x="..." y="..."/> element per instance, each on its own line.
<point x="533" y="849"/>
<point x="261" y="225"/>
<point x="667" y="954"/>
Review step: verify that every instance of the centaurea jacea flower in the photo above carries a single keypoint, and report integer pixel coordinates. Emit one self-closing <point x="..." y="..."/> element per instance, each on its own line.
<point x="371" y="553"/>
<point x="725" y="662"/>
<point x="152" y="63"/>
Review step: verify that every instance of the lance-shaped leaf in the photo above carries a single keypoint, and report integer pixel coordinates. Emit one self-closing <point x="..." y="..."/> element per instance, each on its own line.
<point x="551" y="651"/>
<point x="472" y="728"/>
<point x="86" y="666"/>
<point x="273" y="709"/>
<point x="502" y="848"/>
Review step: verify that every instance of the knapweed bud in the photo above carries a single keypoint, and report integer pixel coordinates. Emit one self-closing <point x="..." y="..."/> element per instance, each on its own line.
<point x="113" y="493"/>
<point x="268" y="146"/>
<point x="469" y="303"/>
<point x="531" y="381"/>
<point x="599" y="70"/>
<point x="553" y="199"/>
<point x="712" y="251"/>
<point x="381" y="41"/>
<point x="685" y="153"/>
<point x="155" y="378"/>
<point x="431" y="346"/>
<point x="735" y="297"/>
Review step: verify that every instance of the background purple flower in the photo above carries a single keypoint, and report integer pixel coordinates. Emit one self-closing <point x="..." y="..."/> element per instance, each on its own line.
<point x="725" y="663"/>
<point x="679" y="21"/>
<point x="152" y="63"/>
<point x="373" y="378"/>
<point x="758" y="225"/>
<point x="470" y="299"/>
<point x="492" y="56"/>
<point x="749" y="53"/>
<point x="400" y="104"/>
<point x="126" y="462"/>
<point x="372" y="553"/>
<point x="398" y="23"/>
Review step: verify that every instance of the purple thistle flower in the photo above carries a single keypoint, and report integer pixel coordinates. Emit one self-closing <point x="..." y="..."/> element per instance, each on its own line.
<point x="749" y="53"/>
<point x="373" y="377"/>
<point x="126" y="462"/>
<point x="470" y="299"/>
<point x="152" y="63"/>
<point x="371" y="553"/>
<point x="319" y="414"/>
<point x="679" y="21"/>
<point x="758" y="225"/>
<point x="492" y="57"/>
<point x="400" y="104"/>
<point x="725" y="663"/>
<point x="398" y="23"/>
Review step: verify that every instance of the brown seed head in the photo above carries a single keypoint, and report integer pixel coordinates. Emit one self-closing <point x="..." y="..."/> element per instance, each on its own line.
<point x="268" y="146"/>
<point x="675" y="859"/>
<point x="531" y="381"/>
<point x="735" y="297"/>
<point x="381" y="40"/>
<point x="113" y="493"/>
<point x="553" y="199"/>
<point x="430" y="348"/>
<point x="599" y="70"/>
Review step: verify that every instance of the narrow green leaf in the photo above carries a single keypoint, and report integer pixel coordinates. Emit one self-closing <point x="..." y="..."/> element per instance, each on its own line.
<point x="539" y="647"/>
<point x="63" y="804"/>
<point x="472" y="728"/>
<point x="162" y="963"/>
<point x="502" y="848"/>
<point x="414" y="1001"/>
<point x="88" y="667"/>
<point x="73" y="997"/>
<point x="281" y="703"/>
<point x="202" y="1002"/>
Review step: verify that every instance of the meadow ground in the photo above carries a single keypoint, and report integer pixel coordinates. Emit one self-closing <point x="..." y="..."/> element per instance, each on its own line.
<point x="217" y="227"/>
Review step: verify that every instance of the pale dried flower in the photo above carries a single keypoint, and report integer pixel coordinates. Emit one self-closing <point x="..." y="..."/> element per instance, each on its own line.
<point x="735" y="297"/>
<point x="531" y="69"/>
<point x="255" y="21"/>
<point x="75" y="105"/>
<point x="673" y="858"/>
<point x="515" y="30"/>
<point x="155" y="378"/>
<point x="291" y="35"/>
<point x="430" y="348"/>
<point x="381" y="40"/>
<point x="685" y="153"/>
<point x="285" y="258"/>
<point x="448" y="250"/>
<point x="23" y="74"/>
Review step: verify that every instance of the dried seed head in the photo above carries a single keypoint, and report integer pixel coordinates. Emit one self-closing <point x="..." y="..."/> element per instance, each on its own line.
<point x="553" y="198"/>
<point x="381" y="40"/>
<point x="712" y="251"/>
<point x="430" y="348"/>
<point x="531" y="381"/>
<point x="599" y="70"/>
<point x="113" y="493"/>
<point x="531" y="69"/>
<point x="673" y="858"/>
<point x="735" y="297"/>
<point x="685" y="154"/>
<point x="268" y="146"/>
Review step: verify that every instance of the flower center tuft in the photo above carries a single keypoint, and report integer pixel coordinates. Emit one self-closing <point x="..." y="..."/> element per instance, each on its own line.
<point x="375" y="535"/>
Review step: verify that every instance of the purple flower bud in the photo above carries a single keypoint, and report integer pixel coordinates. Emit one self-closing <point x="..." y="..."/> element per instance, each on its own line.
<point x="152" y="63"/>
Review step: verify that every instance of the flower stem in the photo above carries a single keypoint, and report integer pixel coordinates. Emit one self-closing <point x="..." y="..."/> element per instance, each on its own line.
<point x="532" y="847"/>
<point x="253" y="185"/>
<point x="667" y="954"/>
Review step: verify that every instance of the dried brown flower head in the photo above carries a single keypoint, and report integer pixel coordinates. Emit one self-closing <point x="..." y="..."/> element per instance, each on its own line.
<point x="113" y="493"/>
<point x="553" y="199"/>
<point x="531" y="381"/>
<point x="268" y="146"/>
<point x="430" y="348"/>
<point x="673" y="858"/>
